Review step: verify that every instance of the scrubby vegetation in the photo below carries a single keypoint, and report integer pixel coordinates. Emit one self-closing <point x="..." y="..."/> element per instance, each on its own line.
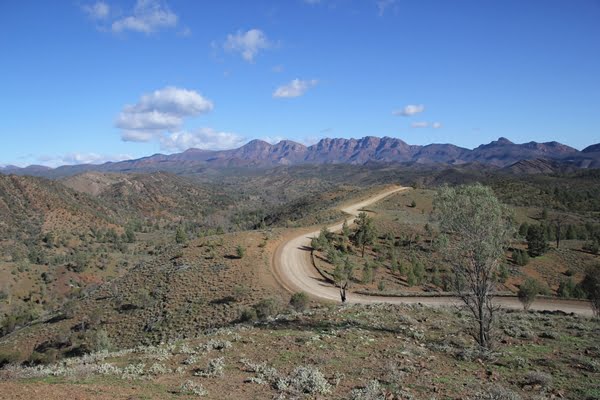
<point x="349" y="352"/>
<point x="112" y="287"/>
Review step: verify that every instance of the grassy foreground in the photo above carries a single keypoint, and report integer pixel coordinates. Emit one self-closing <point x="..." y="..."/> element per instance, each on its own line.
<point x="340" y="352"/>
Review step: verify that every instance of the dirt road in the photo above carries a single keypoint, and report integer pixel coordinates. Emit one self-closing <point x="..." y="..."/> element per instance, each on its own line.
<point x="294" y="270"/>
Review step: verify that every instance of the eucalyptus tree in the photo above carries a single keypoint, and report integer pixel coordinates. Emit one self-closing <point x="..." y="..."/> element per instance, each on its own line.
<point x="365" y="233"/>
<point x="479" y="227"/>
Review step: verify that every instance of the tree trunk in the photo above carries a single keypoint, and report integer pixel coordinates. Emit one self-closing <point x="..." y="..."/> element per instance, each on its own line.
<point x="482" y="337"/>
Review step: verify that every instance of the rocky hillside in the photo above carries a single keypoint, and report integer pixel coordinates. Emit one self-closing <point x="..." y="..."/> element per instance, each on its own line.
<point x="30" y="206"/>
<point x="152" y="196"/>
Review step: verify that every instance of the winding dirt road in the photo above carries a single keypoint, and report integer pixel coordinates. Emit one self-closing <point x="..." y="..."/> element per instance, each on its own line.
<point x="294" y="270"/>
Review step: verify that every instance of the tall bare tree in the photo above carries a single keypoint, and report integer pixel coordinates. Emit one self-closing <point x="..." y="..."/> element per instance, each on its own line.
<point x="479" y="228"/>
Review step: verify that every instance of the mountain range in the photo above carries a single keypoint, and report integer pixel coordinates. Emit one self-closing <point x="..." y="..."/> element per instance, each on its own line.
<point x="501" y="153"/>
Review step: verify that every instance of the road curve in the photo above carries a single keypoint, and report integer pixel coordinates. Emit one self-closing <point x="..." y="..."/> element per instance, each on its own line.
<point x="293" y="269"/>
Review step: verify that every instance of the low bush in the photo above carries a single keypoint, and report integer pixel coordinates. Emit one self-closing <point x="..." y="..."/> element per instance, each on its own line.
<point x="215" y="368"/>
<point x="248" y="314"/>
<point x="299" y="301"/>
<point x="192" y="388"/>
<point x="372" y="391"/>
<point x="535" y="378"/>
<point x="497" y="393"/>
<point x="266" y="308"/>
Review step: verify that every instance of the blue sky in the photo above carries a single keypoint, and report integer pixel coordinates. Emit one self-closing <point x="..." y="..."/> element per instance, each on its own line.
<point x="89" y="81"/>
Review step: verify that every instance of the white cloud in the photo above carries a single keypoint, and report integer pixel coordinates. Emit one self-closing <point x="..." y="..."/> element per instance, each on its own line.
<point x="138" y="136"/>
<point x="277" y="69"/>
<point x="148" y="120"/>
<point x="424" y="124"/>
<point x="295" y="88"/>
<point x="409" y="110"/>
<point x="248" y="44"/>
<point x="310" y="140"/>
<point x="98" y="10"/>
<point x="273" y="139"/>
<point x="160" y="111"/>
<point x="173" y="100"/>
<point x="383" y="5"/>
<point x="81" y="158"/>
<point x="203" y="138"/>
<point x="148" y="16"/>
<point x="159" y="116"/>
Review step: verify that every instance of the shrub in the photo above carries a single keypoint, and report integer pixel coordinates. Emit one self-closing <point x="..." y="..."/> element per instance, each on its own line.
<point x="533" y="378"/>
<point x="101" y="341"/>
<point x="8" y="357"/>
<point x="240" y="292"/>
<point x="248" y="314"/>
<point x="592" y="246"/>
<point x="528" y="291"/>
<point x="240" y="251"/>
<point x="214" y="368"/>
<point x="299" y="301"/>
<point x="373" y="391"/>
<point x="308" y="380"/>
<point x="192" y="388"/>
<point x="266" y="308"/>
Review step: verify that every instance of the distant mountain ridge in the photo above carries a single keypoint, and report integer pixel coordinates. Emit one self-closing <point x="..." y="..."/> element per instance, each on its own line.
<point x="500" y="153"/>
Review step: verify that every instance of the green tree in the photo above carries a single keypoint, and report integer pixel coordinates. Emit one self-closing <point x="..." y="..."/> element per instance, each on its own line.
<point x="503" y="274"/>
<point x="367" y="274"/>
<point x="520" y="257"/>
<point x="528" y="291"/>
<point x="523" y="228"/>
<point x="480" y="227"/>
<point x="536" y="241"/>
<point x="129" y="235"/>
<point x="411" y="279"/>
<point x="321" y="242"/>
<point x="566" y="288"/>
<point x="591" y="286"/>
<point x="365" y="233"/>
<point x="49" y="239"/>
<point x="346" y="232"/>
<point x="180" y="235"/>
<point x="419" y="272"/>
<point x="571" y="233"/>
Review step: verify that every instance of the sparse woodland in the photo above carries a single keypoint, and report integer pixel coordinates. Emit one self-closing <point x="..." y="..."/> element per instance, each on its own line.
<point x="86" y="272"/>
